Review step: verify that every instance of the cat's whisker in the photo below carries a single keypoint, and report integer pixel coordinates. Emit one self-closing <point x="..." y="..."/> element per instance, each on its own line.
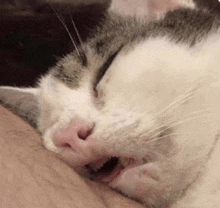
<point x="82" y="51"/>
<point x="77" y="32"/>
<point x="66" y="28"/>
<point x="190" y="119"/>
<point x="154" y="139"/>
<point x="170" y="125"/>
<point x="190" y="93"/>
<point x="200" y="112"/>
<point x="181" y="99"/>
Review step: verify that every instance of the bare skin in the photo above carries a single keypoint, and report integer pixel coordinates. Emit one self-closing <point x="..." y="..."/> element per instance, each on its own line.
<point x="32" y="176"/>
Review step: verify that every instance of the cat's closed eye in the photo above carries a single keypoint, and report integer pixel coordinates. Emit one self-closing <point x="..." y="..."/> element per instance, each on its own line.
<point x="103" y="69"/>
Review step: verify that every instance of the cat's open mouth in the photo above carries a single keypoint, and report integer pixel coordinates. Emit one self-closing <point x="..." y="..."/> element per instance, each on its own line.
<point x="106" y="170"/>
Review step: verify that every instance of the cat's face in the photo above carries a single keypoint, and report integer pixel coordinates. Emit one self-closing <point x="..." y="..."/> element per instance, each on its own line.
<point x="133" y="108"/>
<point x="156" y="115"/>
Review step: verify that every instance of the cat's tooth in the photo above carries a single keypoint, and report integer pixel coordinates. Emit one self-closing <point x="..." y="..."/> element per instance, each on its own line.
<point x="94" y="168"/>
<point x="124" y="161"/>
<point x="97" y="167"/>
<point x="99" y="164"/>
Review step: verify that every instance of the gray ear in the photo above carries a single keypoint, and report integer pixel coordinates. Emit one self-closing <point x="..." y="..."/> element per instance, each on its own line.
<point x="22" y="101"/>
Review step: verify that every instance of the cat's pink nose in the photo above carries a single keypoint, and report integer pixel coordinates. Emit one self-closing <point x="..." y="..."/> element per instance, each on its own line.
<point x="73" y="136"/>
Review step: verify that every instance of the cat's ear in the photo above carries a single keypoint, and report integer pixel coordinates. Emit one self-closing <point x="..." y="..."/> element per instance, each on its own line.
<point x="148" y="8"/>
<point x="22" y="101"/>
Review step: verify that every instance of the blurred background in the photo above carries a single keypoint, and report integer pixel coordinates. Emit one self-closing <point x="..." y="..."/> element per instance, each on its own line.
<point x="32" y="38"/>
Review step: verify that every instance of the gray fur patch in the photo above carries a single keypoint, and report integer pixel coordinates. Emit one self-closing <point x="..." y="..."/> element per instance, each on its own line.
<point x="70" y="69"/>
<point x="186" y="26"/>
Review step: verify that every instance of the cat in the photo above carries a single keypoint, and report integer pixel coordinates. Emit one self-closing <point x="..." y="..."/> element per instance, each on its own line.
<point x="137" y="106"/>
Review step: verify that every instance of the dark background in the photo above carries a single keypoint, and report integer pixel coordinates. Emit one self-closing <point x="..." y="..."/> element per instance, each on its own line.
<point x="32" y="38"/>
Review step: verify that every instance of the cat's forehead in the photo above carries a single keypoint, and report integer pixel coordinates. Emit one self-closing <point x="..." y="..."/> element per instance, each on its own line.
<point x="184" y="26"/>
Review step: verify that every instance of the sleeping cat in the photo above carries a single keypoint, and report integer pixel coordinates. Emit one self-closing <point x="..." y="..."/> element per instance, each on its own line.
<point x="137" y="106"/>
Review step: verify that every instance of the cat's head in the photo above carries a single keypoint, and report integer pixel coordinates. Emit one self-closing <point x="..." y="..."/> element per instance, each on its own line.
<point x="135" y="106"/>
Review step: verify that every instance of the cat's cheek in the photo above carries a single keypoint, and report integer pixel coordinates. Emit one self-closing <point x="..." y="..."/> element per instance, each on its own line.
<point x="141" y="183"/>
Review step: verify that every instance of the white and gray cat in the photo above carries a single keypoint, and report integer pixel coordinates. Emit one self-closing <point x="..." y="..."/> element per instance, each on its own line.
<point x="137" y="106"/>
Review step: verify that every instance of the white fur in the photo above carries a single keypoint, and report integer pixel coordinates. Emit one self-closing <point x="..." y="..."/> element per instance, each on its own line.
<point x="60" y="105"/>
